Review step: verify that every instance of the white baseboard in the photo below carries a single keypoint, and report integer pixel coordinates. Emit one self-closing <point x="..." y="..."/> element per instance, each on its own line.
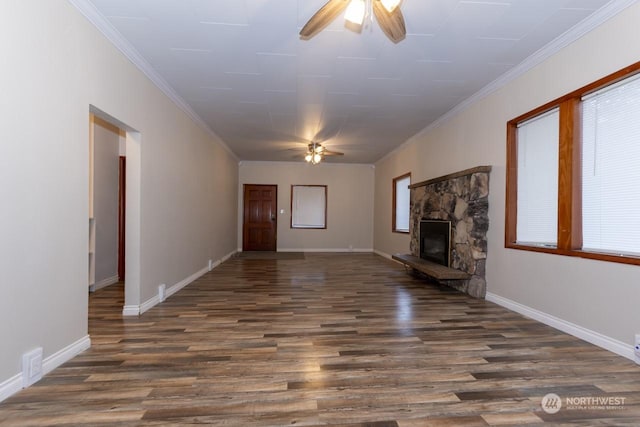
<point x="66" y="354"/>
<point x="10" y="387"/>
<point x="104" y="283"/>
<point x="131" y="310"/>
<point x="332" y="250"/>
<point x="223" y="259"/>
<point x="181" y="284"/>
<point x="14" y="384"/>
<point x="155" y="300"/>
<point x="135" y="310"/>
<point x="382" y="254"/>
<point x="228" y="256"/>
<point x="148" y="304"/>
<point x="596" y="338"/>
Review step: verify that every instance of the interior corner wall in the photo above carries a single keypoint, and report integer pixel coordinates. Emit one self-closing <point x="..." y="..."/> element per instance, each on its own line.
<point x="57" y="64"/>
<point x="385" y="241"/>
<point x="349" y="203"/>
<point x="598" y="296"/>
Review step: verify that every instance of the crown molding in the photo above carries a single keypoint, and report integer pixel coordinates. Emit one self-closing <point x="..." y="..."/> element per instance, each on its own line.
<point x="587" y="25"/>
<point x="302" y="163"/>
<point x="89" y="11"/>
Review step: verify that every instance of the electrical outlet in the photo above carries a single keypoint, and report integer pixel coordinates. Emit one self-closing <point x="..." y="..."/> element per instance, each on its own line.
<point x="210" y="264"/>
<point x="31" y="367"/>
<point x="162" y="292"/>
<point x="636" y="349"/>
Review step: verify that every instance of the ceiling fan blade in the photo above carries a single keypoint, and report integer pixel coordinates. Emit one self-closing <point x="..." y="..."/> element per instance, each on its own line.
<point x="391" y="23"/>
<point x="323" y="17"/>
<point x="332" y="153"/>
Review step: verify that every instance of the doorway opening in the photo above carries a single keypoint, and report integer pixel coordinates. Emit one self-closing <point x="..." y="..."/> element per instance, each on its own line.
<point x="114" y="210"/>
<point x="107" y="186"/>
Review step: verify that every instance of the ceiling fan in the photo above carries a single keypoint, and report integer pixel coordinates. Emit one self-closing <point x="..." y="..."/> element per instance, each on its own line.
<point x="387" y="13"/>
<point x="316" y="152"/>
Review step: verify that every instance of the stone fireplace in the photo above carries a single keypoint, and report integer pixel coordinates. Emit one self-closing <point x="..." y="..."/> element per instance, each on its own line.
<point x="463" y="199"/>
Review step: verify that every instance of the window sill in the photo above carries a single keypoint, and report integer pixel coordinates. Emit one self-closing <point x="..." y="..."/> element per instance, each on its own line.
<point x="400" y="231"/>
<point x="621" y="259"/>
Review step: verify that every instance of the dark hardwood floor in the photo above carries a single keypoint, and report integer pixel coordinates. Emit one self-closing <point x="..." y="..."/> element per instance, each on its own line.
<point x="330" y="339"/>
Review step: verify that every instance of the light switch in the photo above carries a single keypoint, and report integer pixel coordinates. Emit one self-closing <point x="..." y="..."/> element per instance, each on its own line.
<point x="281" y="211"/>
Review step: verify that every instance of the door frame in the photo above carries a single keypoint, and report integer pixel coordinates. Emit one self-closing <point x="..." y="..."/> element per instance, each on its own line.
<point x="122" y="209"/>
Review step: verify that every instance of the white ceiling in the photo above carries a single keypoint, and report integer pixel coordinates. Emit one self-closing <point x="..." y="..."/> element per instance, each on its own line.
<point x="242" y="68"/>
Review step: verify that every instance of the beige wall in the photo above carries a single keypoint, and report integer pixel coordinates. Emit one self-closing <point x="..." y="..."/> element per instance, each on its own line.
<point x="599" y="296"/>
<point x="349" y="204"/>
<point x="385" y="240"/>
<point x="56" y="65"/>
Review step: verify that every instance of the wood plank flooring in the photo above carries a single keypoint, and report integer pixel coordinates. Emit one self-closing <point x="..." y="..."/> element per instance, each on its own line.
<point x="331" y="339"/>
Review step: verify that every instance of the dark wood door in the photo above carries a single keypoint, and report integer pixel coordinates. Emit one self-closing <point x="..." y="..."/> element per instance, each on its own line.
<point x="260" y="217"/>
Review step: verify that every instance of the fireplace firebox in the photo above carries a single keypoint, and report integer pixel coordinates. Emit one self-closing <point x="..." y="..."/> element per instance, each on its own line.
<point x="435" y="241"/>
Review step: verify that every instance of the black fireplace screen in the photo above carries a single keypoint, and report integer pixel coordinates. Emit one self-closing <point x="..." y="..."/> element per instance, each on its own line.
<point x="435" y="241"/>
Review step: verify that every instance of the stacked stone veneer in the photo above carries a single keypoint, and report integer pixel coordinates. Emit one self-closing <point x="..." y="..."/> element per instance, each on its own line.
<point x="463" y="199"/>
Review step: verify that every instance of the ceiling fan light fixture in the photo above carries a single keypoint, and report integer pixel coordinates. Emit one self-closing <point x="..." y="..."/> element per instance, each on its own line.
<point x="314" y="159"/>
<point x="390" y="5"/>
<point x="314" y="154"/>
<point x="356" y="12"/>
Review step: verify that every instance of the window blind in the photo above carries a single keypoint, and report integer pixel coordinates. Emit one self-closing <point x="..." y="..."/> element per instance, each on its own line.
<point x="402" y="204"/>
<point x="308" y="206"/>
<point x="537" y="145"/>
<point x="611" y="169"/>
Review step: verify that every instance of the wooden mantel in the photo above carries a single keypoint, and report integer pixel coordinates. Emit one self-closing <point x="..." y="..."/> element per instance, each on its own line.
<point x="477" y="169"/>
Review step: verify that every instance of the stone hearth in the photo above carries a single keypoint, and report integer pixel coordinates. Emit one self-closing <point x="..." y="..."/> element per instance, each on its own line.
<point x="463" y="199"/>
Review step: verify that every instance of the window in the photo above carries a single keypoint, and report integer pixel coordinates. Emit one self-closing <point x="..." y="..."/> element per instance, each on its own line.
<point x="538" y="182"/>
<point x="401" y="203"/>
<point x="611" y="169"/>
<point x="572" y="173"/>
<point x="308" y="206"/>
